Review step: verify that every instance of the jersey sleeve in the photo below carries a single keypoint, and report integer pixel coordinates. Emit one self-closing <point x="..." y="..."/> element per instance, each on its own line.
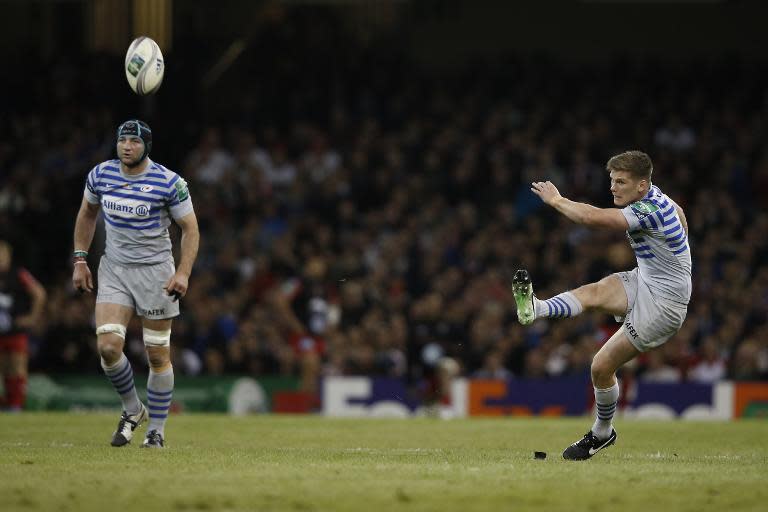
<point x="91" y="193"/>
<point x="179" y="200"/>
<point x="640" y="215"/>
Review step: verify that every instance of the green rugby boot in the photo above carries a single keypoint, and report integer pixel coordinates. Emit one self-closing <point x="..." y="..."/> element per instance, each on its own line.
<point x="522" y="289"/>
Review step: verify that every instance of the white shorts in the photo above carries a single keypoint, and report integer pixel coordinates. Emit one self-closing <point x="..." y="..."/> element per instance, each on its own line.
<point x="139" y="287"/>
<point x="650" y="321"/>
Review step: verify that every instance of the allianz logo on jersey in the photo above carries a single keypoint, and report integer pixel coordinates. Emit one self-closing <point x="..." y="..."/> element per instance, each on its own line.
<point x="127" y="206"/>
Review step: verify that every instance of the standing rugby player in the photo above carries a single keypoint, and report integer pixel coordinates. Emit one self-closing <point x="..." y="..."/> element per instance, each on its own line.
<point x="22" y="303"/>
<point x="137" y="274"/>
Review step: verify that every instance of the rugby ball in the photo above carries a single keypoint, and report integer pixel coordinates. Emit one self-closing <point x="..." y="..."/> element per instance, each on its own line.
<point x="144" y="66"/>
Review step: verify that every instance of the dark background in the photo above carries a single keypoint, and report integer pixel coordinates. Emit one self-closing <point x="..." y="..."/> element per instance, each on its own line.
<point x="436" y="114"/>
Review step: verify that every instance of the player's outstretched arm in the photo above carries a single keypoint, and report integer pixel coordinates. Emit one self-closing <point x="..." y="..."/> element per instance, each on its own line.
<point x="581" y="213"/>
<point x="190" y="241"/>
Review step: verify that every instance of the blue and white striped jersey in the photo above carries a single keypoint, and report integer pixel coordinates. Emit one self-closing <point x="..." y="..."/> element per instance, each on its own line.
<point x="137" y="210"/>
<point x="661" y="245"/>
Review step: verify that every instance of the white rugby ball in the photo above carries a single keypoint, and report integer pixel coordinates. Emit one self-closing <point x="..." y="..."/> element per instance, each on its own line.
<point x="144" y="66"/>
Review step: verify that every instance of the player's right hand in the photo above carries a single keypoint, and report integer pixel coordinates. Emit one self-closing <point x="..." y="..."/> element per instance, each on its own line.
<point x="82" y="279"/>
<point x="547" y="191"/>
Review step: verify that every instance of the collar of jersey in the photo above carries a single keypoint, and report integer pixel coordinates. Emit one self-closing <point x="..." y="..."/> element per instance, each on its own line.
<point x="651" y="192"/>
<point x="138" y="176"/>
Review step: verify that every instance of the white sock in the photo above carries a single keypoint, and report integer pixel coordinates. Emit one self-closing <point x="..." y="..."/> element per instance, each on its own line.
<point x="159" y="393"/>
<point x="605" y="400"/>
<point x="121" y="376"/>
<point x="564" y="305"/>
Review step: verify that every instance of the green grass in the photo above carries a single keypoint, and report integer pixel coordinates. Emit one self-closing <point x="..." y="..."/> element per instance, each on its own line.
<point x="64" y="462"/>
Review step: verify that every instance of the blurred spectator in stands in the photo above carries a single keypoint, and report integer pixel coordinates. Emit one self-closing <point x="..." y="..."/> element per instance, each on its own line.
<point x="493" y="367"/>
<point x="710" y="365"/>
<point x="745" y="364"/>
<point x="22" y="307"/>
<point x="675" y="135"/>
<point x="411" y="194"/>
<point x="209" y="162"/>
<point x="656" y="369"/>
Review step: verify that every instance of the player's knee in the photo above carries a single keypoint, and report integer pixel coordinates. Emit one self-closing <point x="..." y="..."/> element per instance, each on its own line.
<point x="601" y="370"/>
<point x="111" y="338"/>
<point x="158" y="360"/>
<point x="110" y="350"/>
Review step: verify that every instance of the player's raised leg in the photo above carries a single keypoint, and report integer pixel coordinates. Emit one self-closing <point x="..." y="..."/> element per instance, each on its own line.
<point x="609" y="296"/>
<point x="612" y="356"/>
<point x="606" y="295"/>
<point x="157" y="338"/>
<point x="111" y="322"/>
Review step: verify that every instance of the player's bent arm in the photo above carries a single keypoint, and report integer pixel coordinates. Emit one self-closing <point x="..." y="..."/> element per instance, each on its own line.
<point x="39" y="297"/>
<point x="582" y="213"/>
<point x="680" y="214"/>
<point x="85" y="225"/>
<point x="190" y="241"/>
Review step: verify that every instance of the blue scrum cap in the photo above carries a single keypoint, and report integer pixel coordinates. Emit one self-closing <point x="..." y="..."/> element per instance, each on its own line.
<point x="136" y="128"/>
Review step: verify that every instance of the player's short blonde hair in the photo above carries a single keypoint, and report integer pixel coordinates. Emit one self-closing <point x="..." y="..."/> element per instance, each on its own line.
<point x="636" y="163"/>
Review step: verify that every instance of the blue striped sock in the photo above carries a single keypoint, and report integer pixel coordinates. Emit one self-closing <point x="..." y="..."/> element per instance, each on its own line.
<point x="159" y="393"/>
<point x="121" y="376"/>
<point x="564" y="305"/>
<point x="605" y="401"/>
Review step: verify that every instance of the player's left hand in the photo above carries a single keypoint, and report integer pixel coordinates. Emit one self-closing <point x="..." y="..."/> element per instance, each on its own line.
<point x="177" y="285"/>
<point x="547" y="191"/>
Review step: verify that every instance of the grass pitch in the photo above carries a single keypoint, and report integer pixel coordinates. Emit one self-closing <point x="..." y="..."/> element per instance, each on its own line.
<point x="64" y="462"/>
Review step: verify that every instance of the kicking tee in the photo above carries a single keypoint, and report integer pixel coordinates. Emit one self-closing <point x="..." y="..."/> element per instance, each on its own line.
<point x="661" y="245"/>
<point x="137" y="210"/>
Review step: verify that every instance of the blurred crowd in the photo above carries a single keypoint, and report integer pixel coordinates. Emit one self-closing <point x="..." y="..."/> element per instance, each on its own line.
<point x="377" y="231"/>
